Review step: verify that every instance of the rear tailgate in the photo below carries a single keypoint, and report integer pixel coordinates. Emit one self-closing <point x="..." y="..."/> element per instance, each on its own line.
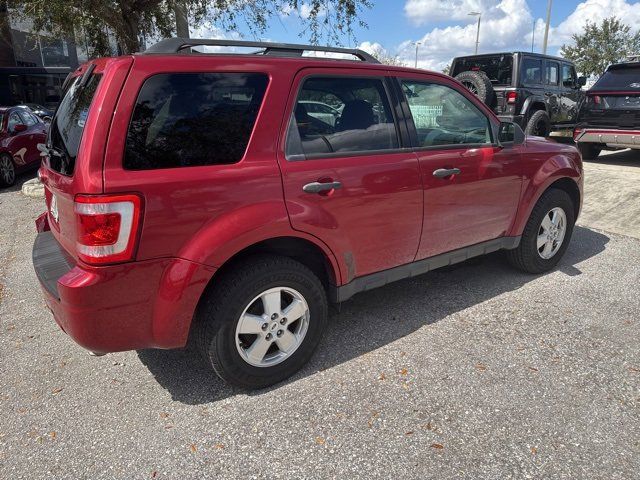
<point x="620" y="110"/>
<point x="74" y="157"/>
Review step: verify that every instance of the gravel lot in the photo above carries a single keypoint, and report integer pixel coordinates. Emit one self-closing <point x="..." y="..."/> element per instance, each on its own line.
<point x="470" y="372"/>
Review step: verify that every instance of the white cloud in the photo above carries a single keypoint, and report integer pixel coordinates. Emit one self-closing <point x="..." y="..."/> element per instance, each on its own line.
<point x="422" y="12"/>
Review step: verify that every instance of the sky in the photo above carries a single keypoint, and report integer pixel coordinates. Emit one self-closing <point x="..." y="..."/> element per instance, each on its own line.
<point x="444" y="28"/>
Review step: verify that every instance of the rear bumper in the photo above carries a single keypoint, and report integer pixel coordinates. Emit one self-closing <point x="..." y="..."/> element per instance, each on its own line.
<point x="113" y="308"/>
<point x="610" y="137"/>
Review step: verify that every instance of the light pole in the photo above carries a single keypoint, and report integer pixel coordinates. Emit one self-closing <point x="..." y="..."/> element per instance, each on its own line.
<point x="417" y="45"/>
<point x="479" y="14"/>
<point x="546" y="28"/>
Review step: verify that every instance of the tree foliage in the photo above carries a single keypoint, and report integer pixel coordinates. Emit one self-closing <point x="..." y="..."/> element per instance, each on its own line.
<point x="387" y="58"/>
<point x="320" y="20"/>
<point x="601" y="45"/>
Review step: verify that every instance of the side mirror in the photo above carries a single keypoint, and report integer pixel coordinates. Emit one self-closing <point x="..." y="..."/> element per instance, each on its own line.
<point x="19" y="127"/>
<point x="510" y="134"/>
<point x="582" y="81"/>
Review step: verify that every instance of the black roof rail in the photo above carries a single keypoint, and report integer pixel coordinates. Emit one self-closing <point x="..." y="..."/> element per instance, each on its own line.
<point x="175" y="45"/>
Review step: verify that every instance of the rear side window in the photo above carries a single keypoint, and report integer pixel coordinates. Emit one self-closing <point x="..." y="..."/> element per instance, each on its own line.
<point x="531" y="71"/>
<point x="551" y="73"/>
<point x="356" y="118"/>
<point x="67" y="126"/>
<point x="191" y="119"/>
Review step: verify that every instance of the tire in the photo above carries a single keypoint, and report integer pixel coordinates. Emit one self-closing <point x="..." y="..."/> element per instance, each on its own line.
<point x="237" y="295"/>
<point x="589" y="151"/>
<point x="539" y="124"/>
<point x="479" y="84"/>
<point x="527" y="256"/>
<point x="7" y="171"/>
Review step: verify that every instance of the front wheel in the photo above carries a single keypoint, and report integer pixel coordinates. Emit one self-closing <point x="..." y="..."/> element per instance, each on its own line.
<point x="7" y="171"/>
<point x="546" y="235"/>
<point x="262" y="321"/>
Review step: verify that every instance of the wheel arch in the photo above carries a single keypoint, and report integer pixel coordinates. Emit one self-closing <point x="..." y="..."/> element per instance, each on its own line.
<point x="533" y="104"/>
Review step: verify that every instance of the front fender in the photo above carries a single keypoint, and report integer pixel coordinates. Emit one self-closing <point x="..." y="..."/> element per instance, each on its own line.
<point x="559" y="166"/>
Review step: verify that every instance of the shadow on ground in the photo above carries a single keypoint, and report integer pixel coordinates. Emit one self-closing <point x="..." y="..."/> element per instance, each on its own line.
<point x="622" y="158"/>
<point x="374" y="319"/>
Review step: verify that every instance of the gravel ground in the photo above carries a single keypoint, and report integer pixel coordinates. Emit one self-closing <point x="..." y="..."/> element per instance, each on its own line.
<point x="470" y="372"/>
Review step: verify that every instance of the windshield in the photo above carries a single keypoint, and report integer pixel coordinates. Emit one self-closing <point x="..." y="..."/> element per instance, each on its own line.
<point x="625" y="78"/>
<point x="499" y="68"/>
<point x="67" y="126"/>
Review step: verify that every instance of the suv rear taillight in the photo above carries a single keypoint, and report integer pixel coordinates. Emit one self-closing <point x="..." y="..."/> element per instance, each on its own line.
<point x="512" y="97"/>
<point x="107" y="227"/>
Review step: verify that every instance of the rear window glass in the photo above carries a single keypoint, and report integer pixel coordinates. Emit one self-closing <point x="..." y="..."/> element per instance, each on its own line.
<point x="68" y="124"/>
<point x="191" y="119"/>
<point x="627" y="79"/>
<point x="499" y="68"/>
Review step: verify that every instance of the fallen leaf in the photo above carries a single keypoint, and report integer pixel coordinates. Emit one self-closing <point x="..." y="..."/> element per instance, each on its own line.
<point x="402" y="354"/>
<point x="193" y="448"/>
<point x="481" y="367"/>
<point x="219" y="446"/>
<point x="154" y="474"/>
<point x="404" y="372"/>
<point x="56" y="391"/>
<point x="410" y="432"/>
<point x="429" y="426"/>
<point x="320" y="441"/>
<point x="53" y="434"/>
<point x="533" y="369"/>
<point x="534" y="450"/>
<point x="382" y="376"/>
<point x="164" y="415"/>
<point x="437" y="446"/>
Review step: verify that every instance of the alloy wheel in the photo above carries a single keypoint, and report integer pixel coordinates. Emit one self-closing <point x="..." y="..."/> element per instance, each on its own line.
<point x="7" y="170"/>
<point x="272" y="327"/>
<point x="551" y="233"/>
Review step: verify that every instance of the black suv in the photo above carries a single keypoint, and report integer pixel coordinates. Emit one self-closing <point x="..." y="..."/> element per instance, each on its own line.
<point x="540" y="93"/>
<point x="609" y="117"/>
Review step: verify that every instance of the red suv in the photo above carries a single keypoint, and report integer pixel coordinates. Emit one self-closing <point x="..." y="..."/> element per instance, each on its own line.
<point x="195" y="196"/>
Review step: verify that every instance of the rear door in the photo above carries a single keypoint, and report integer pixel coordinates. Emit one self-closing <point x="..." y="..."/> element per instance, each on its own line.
<point x="352" y="184"/>
<point x="471" y="186"/>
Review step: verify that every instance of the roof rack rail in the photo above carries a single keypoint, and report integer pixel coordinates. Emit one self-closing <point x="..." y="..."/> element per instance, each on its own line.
<point x="175" y="45"/>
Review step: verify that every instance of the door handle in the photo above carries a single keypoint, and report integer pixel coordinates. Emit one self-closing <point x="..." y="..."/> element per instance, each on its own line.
<point x="446" y="172"/>
<point x="317" y="187"/>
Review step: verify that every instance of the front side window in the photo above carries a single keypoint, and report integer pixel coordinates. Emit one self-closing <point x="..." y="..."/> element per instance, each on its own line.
<point x="192" y="119"/>
<point x="551" y="73"/>
<point x="27" y="119"/>
<point x="354" y="116"/>
<point x="443" y="116"/>
<point x="531" y="71"/>
<point x="568" y="75"/>
<point x="14" y="119"/>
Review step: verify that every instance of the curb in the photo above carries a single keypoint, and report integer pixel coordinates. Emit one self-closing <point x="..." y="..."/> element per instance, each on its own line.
<point x="33" y="188"/>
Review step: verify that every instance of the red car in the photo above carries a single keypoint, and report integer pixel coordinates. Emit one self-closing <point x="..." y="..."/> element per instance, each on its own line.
<point x="193" y="197"/>
<point x="20" y="133"/>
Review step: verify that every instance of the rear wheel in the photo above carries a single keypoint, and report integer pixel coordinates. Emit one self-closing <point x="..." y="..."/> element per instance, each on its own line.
<point x="7" y="170"/>
<point x="262" y="322"/>
<point x="589" y="151"/>
<point x="539" y="124"/>
<point x="546" y="235"/>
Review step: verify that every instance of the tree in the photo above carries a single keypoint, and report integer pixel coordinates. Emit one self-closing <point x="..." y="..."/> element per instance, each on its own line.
<point x="328" y="20"/>
<point x="601" y="45"/>
<point x="446" y="69"/>
<point x="385" y="57"/>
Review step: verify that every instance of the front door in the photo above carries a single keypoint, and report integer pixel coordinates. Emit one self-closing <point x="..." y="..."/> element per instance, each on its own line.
<point x="571" y="93"/>
<point x="471" y="185"/>
<point x="553" y="92"/>
<point x="18" y="142"/>
<point x="348" y="181"/>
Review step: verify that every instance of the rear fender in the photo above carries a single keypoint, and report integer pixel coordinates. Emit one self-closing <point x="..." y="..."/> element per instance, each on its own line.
<point x="530" y="102"/>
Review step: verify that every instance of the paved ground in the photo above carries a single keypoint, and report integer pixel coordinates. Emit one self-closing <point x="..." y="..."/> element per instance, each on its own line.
<point x="472" y="372"/>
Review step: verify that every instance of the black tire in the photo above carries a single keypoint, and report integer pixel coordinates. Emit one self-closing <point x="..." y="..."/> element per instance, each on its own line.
<point x="526" y="256"/>
<point x="539" y="124"/>
<point x="589" y="151"/>
<point x="221" y="307"/>
<point x="7" y="171"/>
<point x="479" y="84"/>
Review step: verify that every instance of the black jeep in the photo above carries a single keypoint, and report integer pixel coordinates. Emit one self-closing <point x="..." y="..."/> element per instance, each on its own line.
<point x="540" y="93"/>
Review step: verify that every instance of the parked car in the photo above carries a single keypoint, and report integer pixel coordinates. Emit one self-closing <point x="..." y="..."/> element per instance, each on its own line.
<point x="609" y="117"/>
<point x="321" y="111"/>
<point x="540" y="93"/>
<point x="45" y="114"/>
<point x="20" y="134"/>
<point x="177" y="213"/>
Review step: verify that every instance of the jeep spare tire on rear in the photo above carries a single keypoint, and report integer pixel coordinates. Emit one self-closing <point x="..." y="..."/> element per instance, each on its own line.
<point x="479" y="84"/>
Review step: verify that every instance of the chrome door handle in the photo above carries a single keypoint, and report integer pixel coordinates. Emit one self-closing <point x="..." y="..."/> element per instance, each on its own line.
<point x="317" y="187"/>
<point x="446" y="172"/>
